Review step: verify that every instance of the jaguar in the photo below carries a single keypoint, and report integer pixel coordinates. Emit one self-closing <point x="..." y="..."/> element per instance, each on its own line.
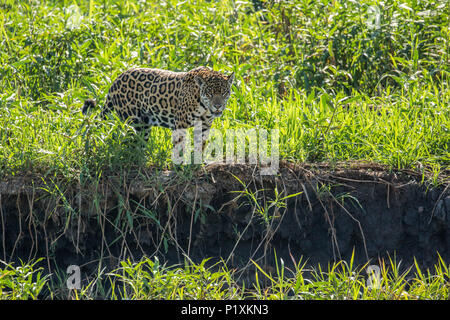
<point x="176" y="100"/>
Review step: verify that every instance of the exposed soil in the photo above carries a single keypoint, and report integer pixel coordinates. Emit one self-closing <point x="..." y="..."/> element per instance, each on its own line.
<point x="200" y="214"/>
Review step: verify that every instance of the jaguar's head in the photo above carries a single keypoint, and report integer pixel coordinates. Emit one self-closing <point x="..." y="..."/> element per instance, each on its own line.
<point x="214" y="91"/>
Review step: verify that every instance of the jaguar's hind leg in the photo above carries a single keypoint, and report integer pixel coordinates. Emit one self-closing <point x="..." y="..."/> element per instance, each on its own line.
<point x="107" y="108"/>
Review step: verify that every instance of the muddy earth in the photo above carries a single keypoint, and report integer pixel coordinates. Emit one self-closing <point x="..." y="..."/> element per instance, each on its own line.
<point x="309" y="213"/>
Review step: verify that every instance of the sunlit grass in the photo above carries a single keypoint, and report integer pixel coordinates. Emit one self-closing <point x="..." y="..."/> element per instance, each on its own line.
<point x="148" y="279"/>
<point x="341" y="82"/>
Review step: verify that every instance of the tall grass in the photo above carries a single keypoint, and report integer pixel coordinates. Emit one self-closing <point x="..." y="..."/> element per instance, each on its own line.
<point x="21" y="282"/>
<point x="148" y="279"/>
<point x="340" y="80"/>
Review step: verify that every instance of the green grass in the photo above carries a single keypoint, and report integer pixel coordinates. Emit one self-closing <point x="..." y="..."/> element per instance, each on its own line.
<point x="341" y="81"/>
<point x="148" y="279"/>
<point x="21" y="282"/>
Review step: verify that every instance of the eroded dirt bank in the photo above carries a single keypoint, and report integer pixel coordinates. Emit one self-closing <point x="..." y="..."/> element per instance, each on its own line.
<point x="230" y="212"/>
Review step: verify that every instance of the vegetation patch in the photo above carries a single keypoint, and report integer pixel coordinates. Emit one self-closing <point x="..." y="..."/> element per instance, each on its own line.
<point x="242" y="221"/>
<point x="340" y="81"/>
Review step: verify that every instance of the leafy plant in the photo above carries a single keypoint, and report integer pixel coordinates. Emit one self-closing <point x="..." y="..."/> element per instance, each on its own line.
<point x="22" y="282"/>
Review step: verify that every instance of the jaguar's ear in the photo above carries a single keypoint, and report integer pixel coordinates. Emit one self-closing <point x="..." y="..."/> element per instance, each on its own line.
<point x="199" y="81"/>
<point x="231" y="78"/>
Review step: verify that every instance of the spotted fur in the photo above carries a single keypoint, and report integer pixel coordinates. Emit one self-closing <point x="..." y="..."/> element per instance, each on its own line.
<point x="175" y="100"/>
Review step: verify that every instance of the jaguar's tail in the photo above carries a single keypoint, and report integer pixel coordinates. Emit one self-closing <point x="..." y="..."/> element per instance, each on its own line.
<point x="88" y="104"/>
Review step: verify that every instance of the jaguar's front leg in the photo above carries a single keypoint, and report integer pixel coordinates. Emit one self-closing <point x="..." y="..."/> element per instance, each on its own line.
<point x="201" y="133"/>
<point x="205" y="135"/>
<point x="178" y="142"/>
<point x="203" y="127"/>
